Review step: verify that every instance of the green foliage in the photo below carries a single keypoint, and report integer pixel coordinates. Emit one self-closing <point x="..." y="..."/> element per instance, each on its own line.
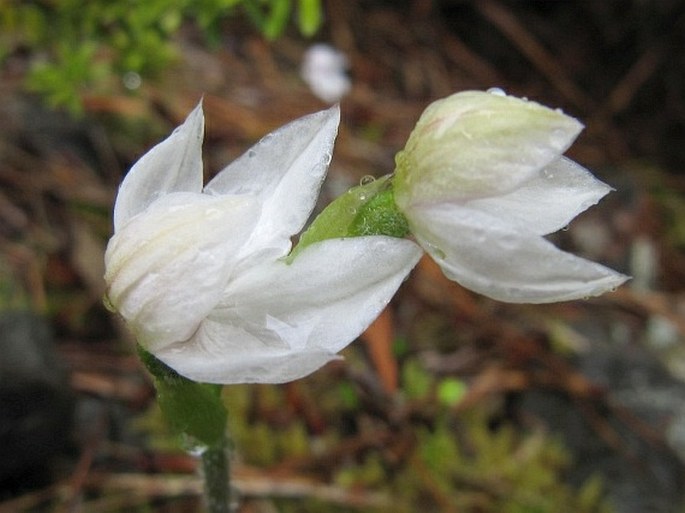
<point x="472" y="467"/>
<point x="78" y="47"/>
<point x="453" y="460"/>
<point x="263" y="443"/>
<point x="458" y="461"/>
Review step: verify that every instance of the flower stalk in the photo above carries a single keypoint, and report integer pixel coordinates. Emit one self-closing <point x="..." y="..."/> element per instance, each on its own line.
<point x="197" y="415"/>
<point x="217" y="479"/>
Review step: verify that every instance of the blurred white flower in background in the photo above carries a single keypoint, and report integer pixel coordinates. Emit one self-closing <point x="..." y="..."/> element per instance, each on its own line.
<point x="324" y="70"/>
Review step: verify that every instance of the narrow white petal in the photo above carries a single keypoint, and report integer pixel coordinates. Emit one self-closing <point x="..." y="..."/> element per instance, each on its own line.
<point x="285" y="170"/>
<point x="488" y="256"/>
<point x="167" y="268"/>
<point x="549" y="201"/>
<point x="174" y="165"/>
<point x="280" y="322"/>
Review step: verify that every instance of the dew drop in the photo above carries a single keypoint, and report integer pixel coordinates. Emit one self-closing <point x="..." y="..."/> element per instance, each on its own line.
<point x="366" y="180"/>
<point x="497" y="91"/>
<point x="251" y="154"/>
<point x="565" y="229"/>
<point x="361" y="196"/>
<point x="436" y="252"/>
<point x="352" y="210"/>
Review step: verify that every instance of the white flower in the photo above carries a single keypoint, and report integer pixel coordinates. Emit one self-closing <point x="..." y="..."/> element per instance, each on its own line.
<point x="199" y="274"/>
<point x="324" y="69"/>
<point x="482" y="180"/>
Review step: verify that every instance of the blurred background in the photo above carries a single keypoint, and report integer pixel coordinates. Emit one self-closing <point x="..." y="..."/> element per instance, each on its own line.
<point x="451" y="402"/>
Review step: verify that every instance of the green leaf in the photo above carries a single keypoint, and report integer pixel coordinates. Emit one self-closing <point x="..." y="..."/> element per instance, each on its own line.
<point x="309" y="17"/>
<point x="277" y="18"/>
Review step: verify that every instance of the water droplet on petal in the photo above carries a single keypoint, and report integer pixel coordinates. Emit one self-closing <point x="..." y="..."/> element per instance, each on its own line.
<point x="436" y="252"/>
<point x="366" y="180"/>
<point x="497" y="91"/>
<point x="565" y="229"/>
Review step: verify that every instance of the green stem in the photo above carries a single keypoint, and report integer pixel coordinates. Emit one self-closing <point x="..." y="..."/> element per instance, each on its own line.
<point x="216" y="470"/>
<point x="196" y="413"/>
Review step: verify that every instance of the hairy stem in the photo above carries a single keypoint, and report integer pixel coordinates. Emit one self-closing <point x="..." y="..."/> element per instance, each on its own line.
<point x="216" y="470"/>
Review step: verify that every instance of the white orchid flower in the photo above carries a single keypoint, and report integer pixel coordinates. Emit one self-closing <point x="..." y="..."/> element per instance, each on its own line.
<point x="482" y="179"/>
<point x="199" y="274"/>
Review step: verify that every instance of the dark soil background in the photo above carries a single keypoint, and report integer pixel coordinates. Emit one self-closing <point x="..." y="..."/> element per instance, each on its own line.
<point x="602" y="380"/>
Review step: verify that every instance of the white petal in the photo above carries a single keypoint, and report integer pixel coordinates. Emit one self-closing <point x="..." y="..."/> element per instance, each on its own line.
<point x="174" y="165"/>
<point x="168" y="267"/>
<point x="549" y="201"/>
<point x="475" y="144"/>
<point x="280" y="322"/>
<point x="490" y="257"/>
<point x="285" y="170"/>
<point x="241" y="358"/>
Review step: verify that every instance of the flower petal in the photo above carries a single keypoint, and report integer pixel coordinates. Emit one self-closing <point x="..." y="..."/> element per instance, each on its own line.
<point x="487" y="255"/>
<point x="279" y="322"/>
<point x="285" y="170"/>
<point x="247" y="360"/>
<point x="549" y="201"/>
<point x="476" y="144"/>
<point x="174" y="165"/>
<point x="167" y="268"/>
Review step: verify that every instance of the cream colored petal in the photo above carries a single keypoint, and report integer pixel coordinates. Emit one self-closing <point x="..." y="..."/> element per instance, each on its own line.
<point x="167" y="268"/>
<point x="475" y="144"/>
